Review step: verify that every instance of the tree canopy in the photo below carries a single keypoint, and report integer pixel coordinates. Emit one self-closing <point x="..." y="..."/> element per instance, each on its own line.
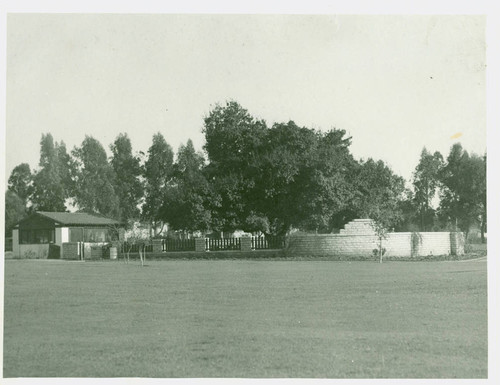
<point x="463" y="195"/>
<point x="186" y="197"/>
<point x="251" y="177"/>
<point x="127" y="170"/>
<point x="49" y="192"/>
<point x="157" y="173"/>
<point x="425" y="184"/>
<point x="21" y="182"/>
<point x="279" y="178"/>
<point x="15" y="210"/>
<point x="95" y="180"/>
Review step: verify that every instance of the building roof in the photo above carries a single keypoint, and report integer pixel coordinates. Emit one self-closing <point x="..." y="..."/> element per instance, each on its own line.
<point x="81" y="219"/>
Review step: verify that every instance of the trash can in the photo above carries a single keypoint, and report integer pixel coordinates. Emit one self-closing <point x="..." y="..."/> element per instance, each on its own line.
<point x="113" y="253"/>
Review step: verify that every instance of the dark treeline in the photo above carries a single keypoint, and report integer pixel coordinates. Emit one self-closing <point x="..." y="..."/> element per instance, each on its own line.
<point x="250" y="177"/>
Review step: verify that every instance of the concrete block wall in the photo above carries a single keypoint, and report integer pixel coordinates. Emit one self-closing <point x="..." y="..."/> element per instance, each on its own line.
<point x="332" y="244"/>
<point x="397" y="245"/>
<point x="310" y="244"/>
<point x="432" y="243"/>
<point x="353" y="244"/>
<point x="359" y="227"/>
<point x="358" y="239"/>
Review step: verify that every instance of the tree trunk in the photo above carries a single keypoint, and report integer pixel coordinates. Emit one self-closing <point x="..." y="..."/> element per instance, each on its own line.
<point x="380" y="249"/>
<point x="127" y="253"/>
<point x="483" y="228"/>
<point x="141" y="256"/>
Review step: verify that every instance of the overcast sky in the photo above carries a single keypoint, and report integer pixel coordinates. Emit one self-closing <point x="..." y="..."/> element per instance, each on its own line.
<point x="394" y="83"/>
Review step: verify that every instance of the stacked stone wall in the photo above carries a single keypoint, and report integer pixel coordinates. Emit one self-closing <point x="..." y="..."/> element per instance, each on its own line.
<point x="358" y="238"/>
<point x="358" y="227"/>
<point x="398" y="245"/>
<point x="434" y="244"/>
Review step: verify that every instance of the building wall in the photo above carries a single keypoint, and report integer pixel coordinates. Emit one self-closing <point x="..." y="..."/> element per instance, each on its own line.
<point x="71" y="250"/>
<point x="62" y="235"/>
<point x="38" y="251"/>
<point x="34" y="251"/>
<point x="15" y="243"/>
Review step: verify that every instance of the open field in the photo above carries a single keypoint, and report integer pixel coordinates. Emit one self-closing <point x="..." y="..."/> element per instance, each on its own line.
<point x="312" y="319"/>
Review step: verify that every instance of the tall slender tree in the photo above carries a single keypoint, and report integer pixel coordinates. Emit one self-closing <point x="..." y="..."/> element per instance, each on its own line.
<point x="185" y="202"/>
<point x="67" y="170"/>
<point x="425" y="183"/>
<point x="127" y="170"/>
<point x="157" y="173"/>
<point x="95" y="180"/>
<point x="49" y="192"/>
<point x="463" y="196"/>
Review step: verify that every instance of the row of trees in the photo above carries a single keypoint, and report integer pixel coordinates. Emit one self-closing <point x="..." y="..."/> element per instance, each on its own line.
<point x="250" y="177"/>
<point x="459" y="183"/>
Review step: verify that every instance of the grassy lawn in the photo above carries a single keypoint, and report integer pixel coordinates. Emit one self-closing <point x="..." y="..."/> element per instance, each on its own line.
<point x="253" y="319"/>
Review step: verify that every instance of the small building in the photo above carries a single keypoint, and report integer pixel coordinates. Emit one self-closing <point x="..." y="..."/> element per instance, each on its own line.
<point x="34" y="235"/>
